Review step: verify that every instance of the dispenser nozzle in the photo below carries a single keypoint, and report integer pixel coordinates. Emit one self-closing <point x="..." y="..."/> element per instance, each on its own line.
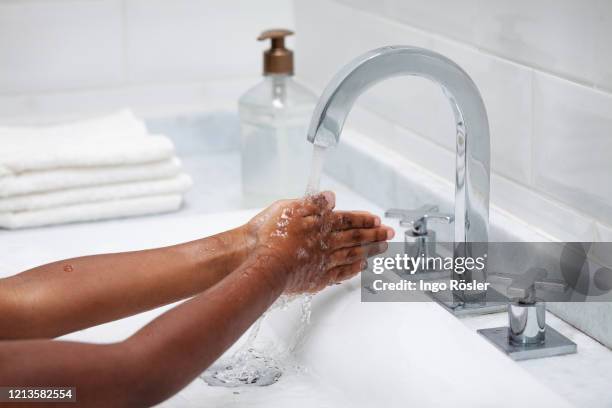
<point x="277" y="59"/>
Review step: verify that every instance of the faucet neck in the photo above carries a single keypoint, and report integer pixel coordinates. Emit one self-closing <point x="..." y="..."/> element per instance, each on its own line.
<point x="472" y="136"/>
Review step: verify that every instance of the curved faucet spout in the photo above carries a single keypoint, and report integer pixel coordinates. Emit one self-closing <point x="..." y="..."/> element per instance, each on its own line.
<point x="473" y="151"/>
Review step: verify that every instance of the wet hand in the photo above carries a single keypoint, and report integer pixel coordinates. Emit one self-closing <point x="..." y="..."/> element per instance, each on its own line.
<point x="316" y="245"/>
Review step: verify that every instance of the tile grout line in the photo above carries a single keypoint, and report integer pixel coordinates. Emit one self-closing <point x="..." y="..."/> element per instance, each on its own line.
<point x="484" y="51"/>
<point x="117" y="87"/>
<point x="532" y="130"/>
<point x="124" y="42"/>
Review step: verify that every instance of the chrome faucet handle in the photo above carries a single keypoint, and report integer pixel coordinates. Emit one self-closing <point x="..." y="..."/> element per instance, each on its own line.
<point x="525" y="286"/>
<point x="418" y="239"/>
<point x="417" y="219"/>
<point x="420" y="223"/>
<point x="410" y="214"/>
<point x="528" y="335"/>
<point x="410" y="218"/>
<point x="527" y="313"/>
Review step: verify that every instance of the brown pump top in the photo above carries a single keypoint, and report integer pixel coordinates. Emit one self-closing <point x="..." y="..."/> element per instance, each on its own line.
<point x="278" y="59"/>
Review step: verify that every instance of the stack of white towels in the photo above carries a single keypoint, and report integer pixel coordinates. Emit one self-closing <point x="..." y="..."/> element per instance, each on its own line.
<point x="101" y="168"/>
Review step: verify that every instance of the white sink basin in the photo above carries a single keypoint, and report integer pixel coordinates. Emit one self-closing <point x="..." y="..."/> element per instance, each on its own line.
<point x="355" y="354"/>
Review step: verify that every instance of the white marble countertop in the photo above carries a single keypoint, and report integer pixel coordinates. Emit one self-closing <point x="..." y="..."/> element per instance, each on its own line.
<point x="584" y="378"/>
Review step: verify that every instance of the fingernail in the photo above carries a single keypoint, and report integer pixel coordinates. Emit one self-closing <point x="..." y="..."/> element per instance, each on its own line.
<point x="390" y="233"/>
<point x="376" y="221"/>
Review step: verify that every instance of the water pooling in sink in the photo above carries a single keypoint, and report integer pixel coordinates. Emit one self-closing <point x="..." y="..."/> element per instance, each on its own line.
<point x="248" y="366"/>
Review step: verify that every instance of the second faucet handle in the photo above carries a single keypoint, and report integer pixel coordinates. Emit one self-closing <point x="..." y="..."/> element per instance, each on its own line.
<point x="417" y="219"/>
<point x="411" y="214"/>
<point x="420" y="223"/>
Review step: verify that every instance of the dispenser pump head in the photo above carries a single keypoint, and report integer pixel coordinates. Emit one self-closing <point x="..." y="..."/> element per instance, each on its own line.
<point x="278" y="59"/>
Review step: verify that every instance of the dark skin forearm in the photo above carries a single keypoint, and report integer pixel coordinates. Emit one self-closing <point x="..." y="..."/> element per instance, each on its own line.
<point x="161" y="358"/>
<point x="61" y="297"/>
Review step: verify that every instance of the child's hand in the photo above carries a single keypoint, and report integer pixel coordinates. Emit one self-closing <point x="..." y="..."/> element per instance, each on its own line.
<point x="316" y="245"/>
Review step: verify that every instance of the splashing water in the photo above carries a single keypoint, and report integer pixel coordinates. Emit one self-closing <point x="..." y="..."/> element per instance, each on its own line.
<point x="247" y="366"/>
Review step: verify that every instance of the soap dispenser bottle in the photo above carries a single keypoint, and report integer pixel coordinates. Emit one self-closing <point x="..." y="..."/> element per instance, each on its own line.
<point x="274" y="117"/>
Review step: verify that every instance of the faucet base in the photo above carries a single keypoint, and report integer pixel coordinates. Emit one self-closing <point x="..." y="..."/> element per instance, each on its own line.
<point x="495" y="302"/>
<point x="555" y="344"/>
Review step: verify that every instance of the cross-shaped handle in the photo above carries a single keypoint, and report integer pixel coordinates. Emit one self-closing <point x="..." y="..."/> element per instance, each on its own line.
<point x="524" y="286"/>
<point x="417" y="219"/>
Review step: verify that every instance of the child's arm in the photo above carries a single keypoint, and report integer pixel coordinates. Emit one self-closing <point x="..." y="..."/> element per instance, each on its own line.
<point x="161" y="358"/>
<point x="300" y="246"/>
<point x="61" y="297"/>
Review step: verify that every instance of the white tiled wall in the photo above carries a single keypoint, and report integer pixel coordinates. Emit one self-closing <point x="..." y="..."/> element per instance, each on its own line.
<point x="168" y="40"/>
<point x="572" y="139"/>
<point x="567" y="37"/>
<point x="543" y="69"/>
<point x="52" y="45"/>
<point x="56" y="49"/>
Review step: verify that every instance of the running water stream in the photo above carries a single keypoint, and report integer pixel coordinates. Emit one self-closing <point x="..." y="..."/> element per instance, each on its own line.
<point x="314" y="184"/>
<point x="248" y="366"/>
<point x="316" y="168"/>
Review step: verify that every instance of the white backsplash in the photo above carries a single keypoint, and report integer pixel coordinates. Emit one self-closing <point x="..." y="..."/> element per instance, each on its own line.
<point x="74" y="48"/>
<point x="572" y="145"/>
<point x="567" y="37"/>
<point x="59" y="45"/>
<point x="551" y="135"/>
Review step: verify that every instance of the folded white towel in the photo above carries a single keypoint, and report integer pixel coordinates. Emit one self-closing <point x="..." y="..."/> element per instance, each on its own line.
<point x="51" y="180"/>
<point x="101" y="168"/>
<point x="29" y="202"/>
<point x="116" y="125"/>
<point x="47" y="154"/>
<point x="92" y="211"/>
<point x="113" y="140"/>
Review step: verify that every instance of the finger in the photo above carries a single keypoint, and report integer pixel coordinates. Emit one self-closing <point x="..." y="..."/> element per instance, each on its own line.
<point x="377" y="248"/>
<point x="344" y="272"/>
<point x="350" y="255"/>
<point x="307" y="207"/>
<point x="338" y="274"/>
<point x="353" y="270"/>
<point x="312" y="222"/>
<point x="317" y="222"/>
<point x="359" y="236"/>
<point x="345" y="256"/>
<point x="354" y="219"/>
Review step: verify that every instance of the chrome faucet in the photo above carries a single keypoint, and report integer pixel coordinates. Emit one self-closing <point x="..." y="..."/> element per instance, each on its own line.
<point x="471" y="215"/>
